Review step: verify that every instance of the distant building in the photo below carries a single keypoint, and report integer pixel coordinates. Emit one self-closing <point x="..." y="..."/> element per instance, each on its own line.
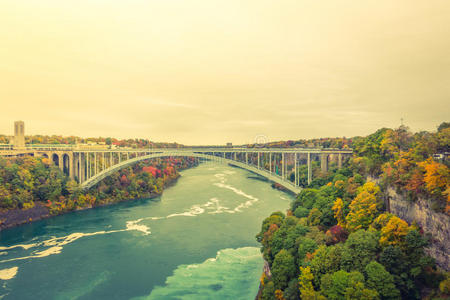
<point x="19" y="134"/>
<point x="229" y="144"/>
<point x="441" y="156"/>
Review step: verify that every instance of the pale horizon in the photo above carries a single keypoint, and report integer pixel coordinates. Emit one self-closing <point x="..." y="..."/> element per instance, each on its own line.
<point x="212" y="72"/>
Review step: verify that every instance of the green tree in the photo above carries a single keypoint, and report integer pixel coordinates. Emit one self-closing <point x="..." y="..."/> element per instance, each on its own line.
<point x="443" y="125"/>
<point x="359" y="249"/>
<point x="306" y="245"/>
<point x="341" y="285"/>
<point x="301" y="212"/>
<point x="283" y="269"/>
<point x="269" y="291"/>
<point x="380" y="280"/>
<point x="326" y="260"/>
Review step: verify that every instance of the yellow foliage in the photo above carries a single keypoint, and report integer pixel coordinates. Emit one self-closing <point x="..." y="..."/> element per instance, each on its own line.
<point x="362" y="211"/>
<point x="394" y="232"/>
<point x="305" y="285"/>
<point x="339" y="184"/>
<point x="371" y="188"/>
<point x="338" y="209"/>
<point x="28" y="205"/>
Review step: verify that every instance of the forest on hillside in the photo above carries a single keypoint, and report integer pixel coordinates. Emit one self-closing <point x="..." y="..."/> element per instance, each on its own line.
<point x="337" y="241"/>
<point x="29" y="181"/>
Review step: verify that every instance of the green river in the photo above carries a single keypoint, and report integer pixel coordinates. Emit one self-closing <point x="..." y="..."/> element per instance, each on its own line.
<point x="196" y="241"/>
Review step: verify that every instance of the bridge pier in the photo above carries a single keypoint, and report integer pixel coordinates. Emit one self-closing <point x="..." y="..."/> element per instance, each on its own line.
<point x="324" y="162"/>
<point x="71" y="166"/>
<point x="295" y="169"/>
<point x="259" y="167"/>
<point x="309" y="168"/>
<point x="340" y="160"/>
<point x="60" y="162"/>
<point x="83" y="167"/>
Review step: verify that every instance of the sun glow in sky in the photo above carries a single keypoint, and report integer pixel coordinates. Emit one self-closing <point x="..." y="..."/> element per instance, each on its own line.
<point x="216" y="71"/>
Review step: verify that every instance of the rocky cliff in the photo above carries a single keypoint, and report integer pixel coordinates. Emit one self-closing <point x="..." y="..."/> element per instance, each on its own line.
<point x="437" y="224"/>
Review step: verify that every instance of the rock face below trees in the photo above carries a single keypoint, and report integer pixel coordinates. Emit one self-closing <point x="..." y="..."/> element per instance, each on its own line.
<point x="16" y="217"/>
<point x="437" y="224"/>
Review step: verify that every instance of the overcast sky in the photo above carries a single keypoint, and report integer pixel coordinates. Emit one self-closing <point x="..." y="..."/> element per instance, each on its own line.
<point x="211" y="72"/>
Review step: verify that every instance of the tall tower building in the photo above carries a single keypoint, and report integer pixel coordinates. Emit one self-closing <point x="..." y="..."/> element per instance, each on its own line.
<point x="19" y="134"/>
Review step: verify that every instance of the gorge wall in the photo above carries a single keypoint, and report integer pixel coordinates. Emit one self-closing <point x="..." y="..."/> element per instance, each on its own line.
<point x="437" y="224"/>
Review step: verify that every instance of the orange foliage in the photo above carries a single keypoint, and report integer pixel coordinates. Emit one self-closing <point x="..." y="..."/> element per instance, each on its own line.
<point x="279" y="295"/>
<point x="437" y="177"/>
<point x="415" y="183"/>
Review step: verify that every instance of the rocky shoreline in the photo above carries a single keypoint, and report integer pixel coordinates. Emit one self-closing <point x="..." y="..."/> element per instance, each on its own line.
<point x="17" y="217"/>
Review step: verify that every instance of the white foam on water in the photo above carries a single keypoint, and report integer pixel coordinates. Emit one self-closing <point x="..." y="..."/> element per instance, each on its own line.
<point x="26" y="246"/>
<point x="192" y="212"/>
<point x="55" y="244"/>
<point x="237" y="191"/>
<point x="132" y="225"/>
<point x="7" y="274"/>
<point x="218" y="208"/>
<point x="232" y="274"/>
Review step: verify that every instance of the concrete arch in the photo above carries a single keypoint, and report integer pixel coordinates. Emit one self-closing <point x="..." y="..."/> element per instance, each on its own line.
<point x="66" y="163"/>
<point x="55" y="159"/>
<point x="272" y="177"/>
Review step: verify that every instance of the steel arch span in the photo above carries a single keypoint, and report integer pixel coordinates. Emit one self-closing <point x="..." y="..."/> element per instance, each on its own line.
<point x="270" y="176"/>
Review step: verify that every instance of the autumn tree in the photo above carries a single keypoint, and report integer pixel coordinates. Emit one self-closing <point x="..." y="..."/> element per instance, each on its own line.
<point x="363" y="208"/>
<point x="437" y="177"/>
<point x="338" y="209"/>
<point x="306" y="245"/>
<point x="305" y="284"/>
<point x="394" y="232"/>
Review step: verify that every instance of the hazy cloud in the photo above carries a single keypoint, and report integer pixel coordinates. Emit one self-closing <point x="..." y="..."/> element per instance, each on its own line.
<point x="204" y="72"/>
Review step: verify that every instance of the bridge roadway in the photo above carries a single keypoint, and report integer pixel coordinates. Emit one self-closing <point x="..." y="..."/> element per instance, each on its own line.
<point x="89" y="165"/>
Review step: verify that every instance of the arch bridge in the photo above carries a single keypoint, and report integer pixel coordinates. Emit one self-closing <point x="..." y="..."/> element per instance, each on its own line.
<point x="89" y="166"/>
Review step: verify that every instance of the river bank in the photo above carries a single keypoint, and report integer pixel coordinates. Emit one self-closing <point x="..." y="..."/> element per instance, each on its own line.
<point x="16" y="217"/>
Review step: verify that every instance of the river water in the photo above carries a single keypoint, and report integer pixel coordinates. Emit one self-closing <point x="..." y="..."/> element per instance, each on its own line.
<point x="196" y="241"/>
